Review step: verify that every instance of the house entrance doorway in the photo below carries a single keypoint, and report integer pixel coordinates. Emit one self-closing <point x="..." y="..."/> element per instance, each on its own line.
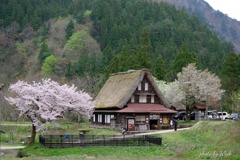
<point x="131" y="124"/>
<point x="153" y="124"/>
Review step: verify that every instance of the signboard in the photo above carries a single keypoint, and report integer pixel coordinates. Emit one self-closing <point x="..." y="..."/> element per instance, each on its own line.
<point x="154" y="116"/>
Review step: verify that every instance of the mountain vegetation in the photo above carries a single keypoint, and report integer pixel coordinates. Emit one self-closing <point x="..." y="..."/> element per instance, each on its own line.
<point x="223" y="26"/>
<point x="82" y="42"/>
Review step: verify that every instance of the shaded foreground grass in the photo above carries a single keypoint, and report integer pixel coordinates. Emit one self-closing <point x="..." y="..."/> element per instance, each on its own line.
<point x="205" y="140"/>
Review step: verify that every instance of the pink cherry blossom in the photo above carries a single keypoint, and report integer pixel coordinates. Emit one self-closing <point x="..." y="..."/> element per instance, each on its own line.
<point x="48" y="101"/>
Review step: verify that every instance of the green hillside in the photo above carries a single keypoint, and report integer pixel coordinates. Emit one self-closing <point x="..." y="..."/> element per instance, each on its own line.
<point x="82" y="41"/>
<point x="205" y="140"/>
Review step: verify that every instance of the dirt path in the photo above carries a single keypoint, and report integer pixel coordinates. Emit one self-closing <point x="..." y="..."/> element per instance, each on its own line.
<point x="11" y="147"/>
<point x="163" y="131"/>
<point x="153" y="132"/>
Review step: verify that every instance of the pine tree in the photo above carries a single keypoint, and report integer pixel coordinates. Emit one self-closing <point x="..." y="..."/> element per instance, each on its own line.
<point x="230" y="72"/>
<point x="144" y="51"/>
<point x="44" y="52"/>
<point x="69" y="30"/>
<point x="183" y="58"/>
<point x="160" y="71"/>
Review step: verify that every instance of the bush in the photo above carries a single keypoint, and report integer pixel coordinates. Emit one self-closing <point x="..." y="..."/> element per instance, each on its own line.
<point x="22" y="153"/>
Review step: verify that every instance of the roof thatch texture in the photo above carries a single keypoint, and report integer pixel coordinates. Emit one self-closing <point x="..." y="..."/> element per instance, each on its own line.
<point x="120" y="87"/>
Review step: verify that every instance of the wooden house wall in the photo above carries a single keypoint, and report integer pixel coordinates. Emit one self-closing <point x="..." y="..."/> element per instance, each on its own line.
<point x="146" y="92"/>
<point x="143" y="121"/>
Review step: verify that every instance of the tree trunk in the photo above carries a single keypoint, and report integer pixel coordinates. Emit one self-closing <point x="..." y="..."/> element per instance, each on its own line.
<point x="187" y="114"/>
<point x="206" y="111"/>
<point x="33" y="135"/>
<point x="79" y="119"/>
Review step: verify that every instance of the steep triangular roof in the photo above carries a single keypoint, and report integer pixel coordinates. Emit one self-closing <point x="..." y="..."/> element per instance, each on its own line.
<point x="120" y="87"/>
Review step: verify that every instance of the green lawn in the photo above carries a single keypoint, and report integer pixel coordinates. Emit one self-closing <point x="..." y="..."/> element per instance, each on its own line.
<point x="205" y="140"/>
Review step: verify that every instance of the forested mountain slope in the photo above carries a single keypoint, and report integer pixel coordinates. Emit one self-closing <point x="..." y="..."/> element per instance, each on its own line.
<point x="82" y="41"/>
<point x="225" y="27"/>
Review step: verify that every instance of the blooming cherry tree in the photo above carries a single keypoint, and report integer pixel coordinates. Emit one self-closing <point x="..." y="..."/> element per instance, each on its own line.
<point x="193" y="86"/>
<point x="48" y="100"/>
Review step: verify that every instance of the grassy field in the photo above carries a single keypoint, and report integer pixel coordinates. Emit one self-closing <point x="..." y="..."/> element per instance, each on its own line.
<point x="205" y="140"/>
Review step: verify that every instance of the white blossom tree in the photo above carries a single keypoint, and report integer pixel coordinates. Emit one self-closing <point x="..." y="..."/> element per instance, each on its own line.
<point x="47" y="101"/>
<point x="169" y="90"/>
<point x="193" y="86"/>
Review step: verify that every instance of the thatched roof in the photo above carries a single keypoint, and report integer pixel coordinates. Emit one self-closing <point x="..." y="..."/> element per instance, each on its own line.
<point x="119" y="88"/>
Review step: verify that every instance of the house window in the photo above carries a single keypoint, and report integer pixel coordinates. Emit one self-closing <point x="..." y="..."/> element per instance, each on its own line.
<point x="148" y="98"/>
<point x="152" y="98"/>
<point x="146" y="86"/>
<point x="107" y="118"/>
<point x="140" y="86"/>
<point x="93" y="117"/>
<point x="140" y="118"/>
<point x="143" y="99"/>
<point x="136" y="98"/>
<point x="100" y="118"/>
<point x="132" y="99"/>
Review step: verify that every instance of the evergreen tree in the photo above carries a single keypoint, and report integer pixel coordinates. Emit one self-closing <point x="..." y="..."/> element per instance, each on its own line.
<point x="230" y="72"/>
<point x="44" y="52"/>
<point x="69" y="30"/>
<point x="183" y="58"/>
<point x="144" y="52"/>
<point x="160" y="71"/>
<point x="69" y="71"/>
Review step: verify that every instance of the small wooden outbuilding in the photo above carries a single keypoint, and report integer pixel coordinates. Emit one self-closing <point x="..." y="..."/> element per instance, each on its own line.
<point x="132" y="100"/>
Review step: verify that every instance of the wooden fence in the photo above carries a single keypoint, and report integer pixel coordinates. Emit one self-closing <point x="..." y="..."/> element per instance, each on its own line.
<point x="67" y="141"/>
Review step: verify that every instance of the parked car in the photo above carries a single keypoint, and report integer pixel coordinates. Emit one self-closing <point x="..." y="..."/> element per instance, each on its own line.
<point x="213" y="114"/>
<point x="195" y="115"/>
<point x="235" y="116"/>
<point x="224" y="115"/>
<point x="192" y="116"/>
<point x="180" y="115"/>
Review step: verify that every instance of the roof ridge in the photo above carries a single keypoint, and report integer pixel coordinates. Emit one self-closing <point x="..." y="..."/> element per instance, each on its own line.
<point x="129" y="71"/>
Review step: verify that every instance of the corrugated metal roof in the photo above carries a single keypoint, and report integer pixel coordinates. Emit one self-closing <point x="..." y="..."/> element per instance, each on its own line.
<point x="146" y="108"/>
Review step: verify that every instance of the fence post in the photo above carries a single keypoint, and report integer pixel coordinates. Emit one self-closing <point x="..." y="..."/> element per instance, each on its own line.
<point x="50" y="141"/>
<point x="114" y="140"/>
<point x="72" y="140"/>
<point x="104" y="143"/>
<point x="92" y="140"/>
<point x="61" y="140"/>
<point x="43" y="139"/>
<point x="11" y="137"/>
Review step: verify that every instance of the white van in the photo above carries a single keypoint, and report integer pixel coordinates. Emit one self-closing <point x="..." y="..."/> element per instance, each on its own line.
<point x="223" y="115"/>
<point x="213" y="114"/>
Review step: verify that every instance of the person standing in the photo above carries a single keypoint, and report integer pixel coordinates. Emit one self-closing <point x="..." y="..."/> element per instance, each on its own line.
<point x="175" y="123"/>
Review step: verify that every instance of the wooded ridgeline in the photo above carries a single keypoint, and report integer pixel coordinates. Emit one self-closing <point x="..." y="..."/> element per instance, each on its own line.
<point x="84" y="41"/>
